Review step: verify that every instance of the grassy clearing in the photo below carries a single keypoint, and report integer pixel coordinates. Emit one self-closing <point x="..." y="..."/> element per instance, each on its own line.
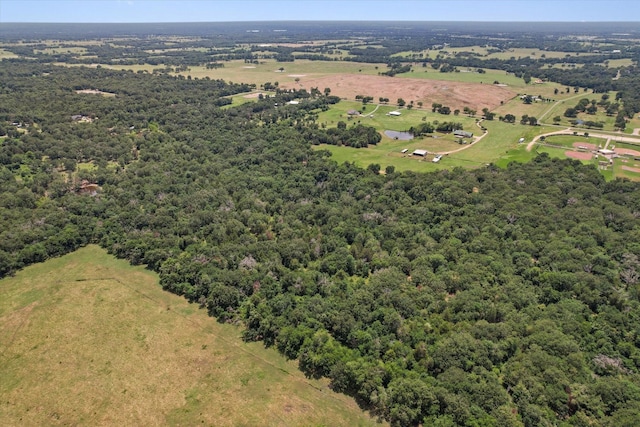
<point x="268" y="70"/>
<point x="502" y="138"/>
<point x="378" y="118"/>
<point x="7" y="54"/>
<point x="624" y="62"/>
<point x="500" y="142"/>
<point x="244" y="98"/>
<point x="467" y="75"/>
<point x="569" y="140"/>
<point x="87" y="339"/>
<point x="61" y="50"/>
<point x="530" y="53"/>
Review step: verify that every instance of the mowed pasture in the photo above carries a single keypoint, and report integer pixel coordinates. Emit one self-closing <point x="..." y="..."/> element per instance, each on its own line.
<point x="500" y="140"/>
<point x="87" y="339"/>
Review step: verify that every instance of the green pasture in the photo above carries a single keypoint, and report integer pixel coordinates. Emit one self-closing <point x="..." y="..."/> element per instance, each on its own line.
<point x="501" y="139"/>
<point x="530" y="53"/>
<point x="243" y="98"/>
<point x="377" y="116"/>
<point x="544" y="111"/>
<point x="568" y="140"/>
<point x="634" y="123"/>
<point x="387" y="153"/>
<point x="87" y="339"/>
<point x="269" y="71"/>
<point x="617" y="63"/>
<point x="466" y="75"/>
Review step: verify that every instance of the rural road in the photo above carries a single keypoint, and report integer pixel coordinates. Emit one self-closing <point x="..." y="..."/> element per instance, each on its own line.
<point x="466" y="146"/>
<point x="566" y="131"/>
<point x="615" y="138"/>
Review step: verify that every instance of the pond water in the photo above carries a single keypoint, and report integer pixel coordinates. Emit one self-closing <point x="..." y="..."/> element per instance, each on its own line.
<point x="402" y="136"/>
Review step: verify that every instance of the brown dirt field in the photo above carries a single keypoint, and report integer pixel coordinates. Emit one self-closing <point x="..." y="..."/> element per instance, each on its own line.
<point x="627" y="151"/>
<point x="579" y="156"/>
<point x="630" y="169"/>
<point x="456" y="95"/>
<point x="585" y="144"/>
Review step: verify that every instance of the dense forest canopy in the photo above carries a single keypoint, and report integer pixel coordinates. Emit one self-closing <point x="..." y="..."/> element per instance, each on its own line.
<point x="464" y="297"/>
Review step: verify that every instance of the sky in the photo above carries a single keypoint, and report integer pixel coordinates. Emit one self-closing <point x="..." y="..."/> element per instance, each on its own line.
<point x="315" y="10"/>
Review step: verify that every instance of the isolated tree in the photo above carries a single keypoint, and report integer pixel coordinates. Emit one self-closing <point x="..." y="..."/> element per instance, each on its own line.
<point x="401" y="102"/>
<point x="510" y="118"/>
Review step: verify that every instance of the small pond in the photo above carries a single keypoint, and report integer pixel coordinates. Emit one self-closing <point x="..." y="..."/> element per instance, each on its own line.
<point x="401" y="136"/>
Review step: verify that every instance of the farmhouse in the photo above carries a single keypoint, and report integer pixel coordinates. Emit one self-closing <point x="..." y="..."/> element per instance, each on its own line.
<point x="353" y="112"/>
<point x="394" y="113"/>
<point x="420" y="153"/>
<point x="463" y="134"/>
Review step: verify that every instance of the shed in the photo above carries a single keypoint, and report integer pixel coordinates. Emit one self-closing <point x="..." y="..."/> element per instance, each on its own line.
<point x="404" y="150"/>
<point x="421" y="153"/>
<point x="394" y="113"/>
<point x="462" y="133"/>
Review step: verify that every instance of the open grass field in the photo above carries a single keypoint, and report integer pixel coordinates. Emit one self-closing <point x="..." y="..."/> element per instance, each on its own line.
<point x="62" y="49"/>
<point x="87" y="339"/>
<point x="376" y="116"/>
<point x="530" y="53"/>
<point x="269" y="71"/>
<point x="571" y="141"/>
<point x="468" y="75"/>
<point x="501" y="140"/>
<point x="7" y="54"/>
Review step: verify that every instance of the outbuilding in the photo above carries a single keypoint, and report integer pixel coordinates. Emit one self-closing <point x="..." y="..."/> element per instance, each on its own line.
<point x="420" y="153"/>
<point x="462" y="133"/>
<point x="394" y="113"/>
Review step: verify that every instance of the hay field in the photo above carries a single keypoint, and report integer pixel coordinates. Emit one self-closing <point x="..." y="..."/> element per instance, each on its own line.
<point x="86" y="339"/>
